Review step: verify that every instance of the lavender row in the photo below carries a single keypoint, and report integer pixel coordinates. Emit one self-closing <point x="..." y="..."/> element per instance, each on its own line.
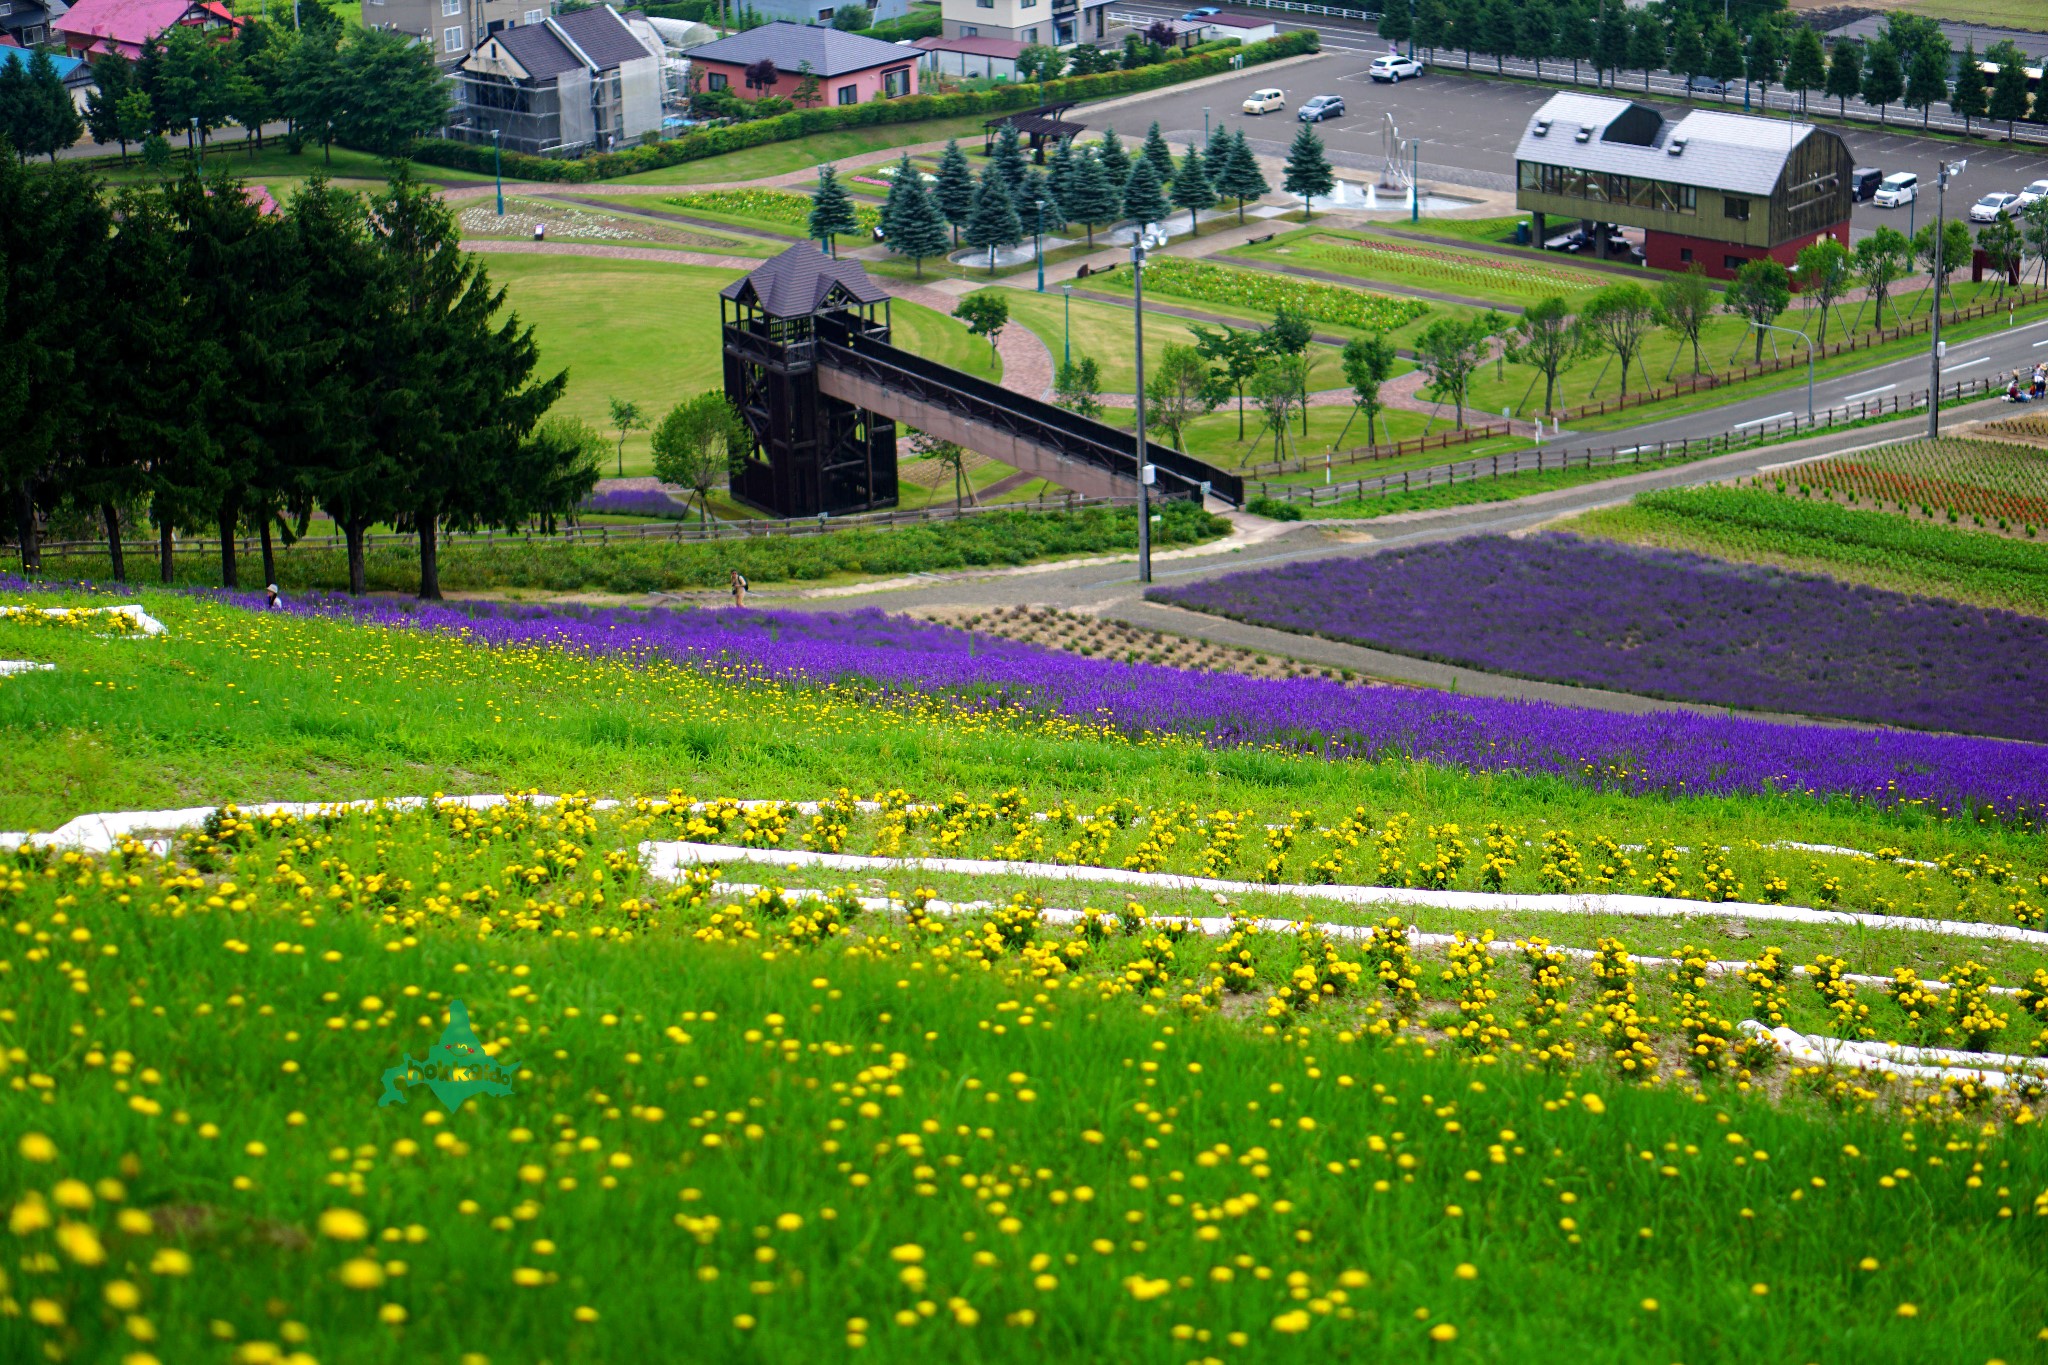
<point x="1673" y="752"/>
<point x="1665" y="624"/>
<point x="634" y="502"/>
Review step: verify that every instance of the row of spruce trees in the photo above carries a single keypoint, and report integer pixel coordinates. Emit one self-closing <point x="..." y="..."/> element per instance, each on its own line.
<point x="1101" y="182"/>
<point x="176" y="348"/>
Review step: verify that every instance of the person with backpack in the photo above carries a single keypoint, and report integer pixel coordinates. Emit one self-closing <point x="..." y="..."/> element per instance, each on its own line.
<point x="739" y="588"/>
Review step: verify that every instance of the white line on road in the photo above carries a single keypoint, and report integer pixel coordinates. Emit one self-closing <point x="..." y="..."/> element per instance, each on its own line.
<point x="1966" y="364"/>
<point x="1869" y="393"/>
<point x="1759" y="421"/>
<point x="2039" y="344"/>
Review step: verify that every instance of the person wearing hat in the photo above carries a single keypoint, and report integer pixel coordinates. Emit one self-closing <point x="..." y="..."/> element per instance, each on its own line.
<point x="272" y="599"/>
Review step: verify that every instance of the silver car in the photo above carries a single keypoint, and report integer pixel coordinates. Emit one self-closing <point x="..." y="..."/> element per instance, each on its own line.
<point x="1994" y="206"/>
<point x="1320" y="108"/>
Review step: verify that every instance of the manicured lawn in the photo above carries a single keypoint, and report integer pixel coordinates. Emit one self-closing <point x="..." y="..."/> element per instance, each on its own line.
<point x="648" y="331"/>
<point x="619" y="225"/>
<point x="782" y="158"/>
<point x="1417" y="265"/>
<point x="943" y="339"/>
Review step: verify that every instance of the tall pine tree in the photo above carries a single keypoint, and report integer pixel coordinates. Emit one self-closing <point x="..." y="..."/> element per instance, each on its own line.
<point x="1883" y="81"/>
<point x="1006" y="159"/>
<point x="911" y="223"/>
<point x="1308" y="170"/>
<point x="1845" y="74"/>
<point x="953" y="192"/>
<point x="1091" y="197"/>
<point x="1192" y="190"/>
<point x="1116" y="162"/>
<point x="1970" y="98"/>
<point x="994" y="221"/>
<point x="831" y="211"/>
<point x="1144" y="198"/>
<point x="1806" y="65"/>
<point x="1158" y="153"/>
<point x="1240" y="177"/>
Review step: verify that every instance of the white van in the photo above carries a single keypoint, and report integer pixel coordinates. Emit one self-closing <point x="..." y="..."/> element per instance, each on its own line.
<point x="1900" y="187"/>
<point x="1265" y="102"/>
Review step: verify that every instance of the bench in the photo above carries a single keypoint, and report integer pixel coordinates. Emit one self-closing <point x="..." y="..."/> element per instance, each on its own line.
<point x="1254" y="241"/>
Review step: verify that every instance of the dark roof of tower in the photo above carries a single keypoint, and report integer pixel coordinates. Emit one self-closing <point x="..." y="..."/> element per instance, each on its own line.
<point x="800" y="281"/>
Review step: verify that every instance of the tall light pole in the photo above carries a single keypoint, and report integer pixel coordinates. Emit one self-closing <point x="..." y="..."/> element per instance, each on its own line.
<point x="1138" y="357"/>
<point x="1205" y="125"/>
<point x="1948" y="168"/>
<point x="498" y="168"/>
<point x="1067" y="324"/>
<point x="1038" y="239"/>
<point x="198" y="154"/>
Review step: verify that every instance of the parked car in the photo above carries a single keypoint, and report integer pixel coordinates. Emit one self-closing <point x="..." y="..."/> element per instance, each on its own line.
<point x="1900" y="187"/>
<point x="1994" y="206"/>
<point x="2033" y="194"/>
<point x="1394" y="68"/>
<point x="1205" y="12"/>
<point x="1270" y="101"/>
<point x="1706" y="85"/>
<point x="1319" y="108"/>
<point x="1863" y="182"/>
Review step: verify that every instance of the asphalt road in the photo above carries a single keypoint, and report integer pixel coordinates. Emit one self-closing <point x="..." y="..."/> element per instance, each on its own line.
<point x="1469" y="127"/>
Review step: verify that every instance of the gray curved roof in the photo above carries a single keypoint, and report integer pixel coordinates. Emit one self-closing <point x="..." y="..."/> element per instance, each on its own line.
<point x="1714" y="150"/>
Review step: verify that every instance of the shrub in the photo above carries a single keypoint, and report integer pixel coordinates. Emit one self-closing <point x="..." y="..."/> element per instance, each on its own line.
<point x="1274" y="509"/>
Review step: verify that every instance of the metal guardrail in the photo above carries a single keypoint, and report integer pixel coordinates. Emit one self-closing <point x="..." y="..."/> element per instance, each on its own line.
<point x="1661" y="452"/>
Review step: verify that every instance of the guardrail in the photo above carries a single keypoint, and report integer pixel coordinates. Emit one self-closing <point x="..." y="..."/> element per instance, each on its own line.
<point x="1540" y="459"/>
<point x="1414" y="445"/>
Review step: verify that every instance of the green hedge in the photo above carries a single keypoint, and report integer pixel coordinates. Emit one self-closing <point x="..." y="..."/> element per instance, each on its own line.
<point x="808" y="122"/>
<point x="928" y="24"/>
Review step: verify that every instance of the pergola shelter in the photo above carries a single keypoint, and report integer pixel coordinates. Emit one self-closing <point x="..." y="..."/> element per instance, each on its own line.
<point x="1040" y="127"/>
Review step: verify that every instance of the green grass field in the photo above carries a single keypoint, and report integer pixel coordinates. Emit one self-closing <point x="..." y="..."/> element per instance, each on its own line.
<point x="648" y="331"/>
<point x="1858" y="545"/>
<point x="784" y="158"/>
<point x="779" y="1128"/>
<point x="1416" y="265"/>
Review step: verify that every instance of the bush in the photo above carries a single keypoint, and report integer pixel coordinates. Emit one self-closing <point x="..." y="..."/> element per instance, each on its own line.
<point x="695" y="146"/>
<point x="1273" y="509"/>
<point x="927" y="24"/>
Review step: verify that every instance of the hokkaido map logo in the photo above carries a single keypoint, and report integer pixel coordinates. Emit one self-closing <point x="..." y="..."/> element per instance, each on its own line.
<point x="455" y="1068"/>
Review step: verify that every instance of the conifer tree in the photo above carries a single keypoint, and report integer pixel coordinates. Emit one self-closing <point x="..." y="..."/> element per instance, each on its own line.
<point x="1927" y="77"/>
<point x="1308" y="170"/>
<point x="911" y="223"/>
<point x="1970" y="98"/>
<point x="1806" y="65"/>
<point x="994" y="220"/>
<point x="1192" y="190"/>
<point x="1007" y="159"/>
<point x="1432" y="25"/>
<point x="831" y="211"/>
<point x="1218" y="151"/>
<point x="1037" y="190"/>
<point x="1059" y="169"/>
<point x="1845" y="74"/>
<point x="1116" y="162"/>
<point x="954" y="190"/>
<point x="1144" y="200"/>
<point x="1241" y="178"/>
<point x="1091" y="197"/>
<point x="1158" y="153"/>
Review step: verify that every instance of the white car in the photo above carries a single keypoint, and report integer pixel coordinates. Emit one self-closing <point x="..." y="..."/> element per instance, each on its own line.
<point x="1900" y="187"/>
<point x="1994" y="206"/>
<point x="1394" y="68"/>
<point x="1265" y="101"/>
<point x="2033" y="194"/>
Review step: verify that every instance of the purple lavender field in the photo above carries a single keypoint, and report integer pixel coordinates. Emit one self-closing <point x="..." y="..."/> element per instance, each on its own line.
<point x="1665" y="624"/>
<point x="1672" y="752"/>
<point x="634" y="502"/>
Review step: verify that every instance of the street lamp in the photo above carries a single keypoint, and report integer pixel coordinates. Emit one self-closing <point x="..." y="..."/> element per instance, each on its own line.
<point x="1793" y="331"/>
<point x="1414" y="179"/>
<point x="1067" y="325"/>
<point x="1038" y="239"/>
<point x="198" y="156"/>
<point x="1948" y="168"/>
<point x="1138" y="357"/>
<point x="498" y="168"/>
<point x="1205" y="125"/>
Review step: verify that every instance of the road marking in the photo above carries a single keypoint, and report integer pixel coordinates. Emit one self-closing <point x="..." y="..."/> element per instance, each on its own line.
<point x="1966" y="364"/>
<point x="2039" y="344"/>
<point x="1759" y="421"/>
<point x="1869" y="393"/>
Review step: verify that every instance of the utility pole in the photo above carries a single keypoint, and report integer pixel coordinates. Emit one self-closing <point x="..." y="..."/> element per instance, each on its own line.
<point x="1138" y="356"/>
<point x="1948" y="168"/>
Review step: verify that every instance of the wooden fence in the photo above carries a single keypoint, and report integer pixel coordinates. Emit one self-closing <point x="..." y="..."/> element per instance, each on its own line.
<point x="1660" y="452"/>
<point x="1372" y="454"/>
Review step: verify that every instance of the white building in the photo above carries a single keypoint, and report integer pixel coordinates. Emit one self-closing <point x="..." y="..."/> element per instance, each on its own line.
<point x="1051" y="23"/>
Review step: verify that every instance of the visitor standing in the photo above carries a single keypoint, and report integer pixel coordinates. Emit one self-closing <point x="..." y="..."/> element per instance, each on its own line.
<point x="739" y="588"/>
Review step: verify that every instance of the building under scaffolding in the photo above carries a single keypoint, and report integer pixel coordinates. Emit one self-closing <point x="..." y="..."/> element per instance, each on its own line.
<point x="570" y="84"/>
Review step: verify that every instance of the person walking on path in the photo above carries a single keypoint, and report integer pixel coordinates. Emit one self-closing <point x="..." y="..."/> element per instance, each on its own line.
<point x="739" y="588"/>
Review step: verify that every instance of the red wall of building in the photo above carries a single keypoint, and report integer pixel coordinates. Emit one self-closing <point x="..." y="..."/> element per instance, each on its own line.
<point x="1662" y="251"/>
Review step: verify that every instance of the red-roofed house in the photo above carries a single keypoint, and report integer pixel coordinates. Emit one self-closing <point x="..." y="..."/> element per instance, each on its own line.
<point x="126" y="27"/>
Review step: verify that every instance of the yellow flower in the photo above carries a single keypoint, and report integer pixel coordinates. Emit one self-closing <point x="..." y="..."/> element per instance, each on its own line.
<point x="1290" y="1323"/>
<point x="344" y="1225"/>
<point x="1468" y="1271"/>
<point x="170" y="1261"/>
<point x="72" y="1194"/>
<point x="139" y="1358"/>
<point x="30" y="1215"/>
<point x="81" y="1243"/>
<point x="135" y="1222"/>
<point x="1594" y="1105"/>
<point x="527" y="1276"/>
<point x="1649" y="1305"/>
<point x="392" y="1313"/>
<point x="1443" y="1331"/>
<point x="121" y="1295"/>
<point x="361" y="1273"/>
<point x="46" y="1312"/>
<point x="910" y="1253"/>
<point x="586" y="1314"/>
<point x="36" y="1147"/>
<point x="1908" y="1310"/>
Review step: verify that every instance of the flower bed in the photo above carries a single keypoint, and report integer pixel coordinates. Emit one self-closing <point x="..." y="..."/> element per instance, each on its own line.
<point x="635" y="502"/>
<point x="1265" y="292"/>
<point x="1665" y="624"/>
<point x="768" y="206"/>
<point x="1451" y="270"/>
<point x="1673" y="751"/>
<point x="1988" y="479"/>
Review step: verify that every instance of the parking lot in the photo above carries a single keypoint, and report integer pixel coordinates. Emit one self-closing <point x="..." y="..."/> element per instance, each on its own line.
<point x="1470" y="127"/>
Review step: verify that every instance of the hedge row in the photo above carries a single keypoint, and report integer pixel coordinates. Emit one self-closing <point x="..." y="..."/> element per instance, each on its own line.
<point x="807" y="122"/>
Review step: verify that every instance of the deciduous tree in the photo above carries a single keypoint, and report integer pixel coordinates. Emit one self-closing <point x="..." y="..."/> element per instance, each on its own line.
<point x="1178" y="390"/>
<point x="1449" y="351"/>
<point x="1685" y="303"/>
<point x="1620" y="317"/>
<point x="986" y="312"/>
<point x="1549" y="340"/>
<point x="1760" y="291"/>
<point x="700" y="441"/>
<point x="1368" y="363"/>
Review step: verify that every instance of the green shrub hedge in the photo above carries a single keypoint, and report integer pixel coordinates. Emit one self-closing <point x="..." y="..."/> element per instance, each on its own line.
<point x="804" y="123"/>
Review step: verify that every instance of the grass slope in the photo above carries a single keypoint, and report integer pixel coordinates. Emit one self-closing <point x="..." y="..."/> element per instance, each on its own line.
<point x="1852" y="544"/>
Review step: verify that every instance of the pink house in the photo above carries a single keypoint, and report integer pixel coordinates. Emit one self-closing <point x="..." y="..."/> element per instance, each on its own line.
<point x="850" y="69"/>
<point x="125" y="27"/>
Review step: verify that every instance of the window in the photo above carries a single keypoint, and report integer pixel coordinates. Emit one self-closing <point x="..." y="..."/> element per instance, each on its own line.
<point x="449" y="8"/>
<point x="985" y="4"/>
<point x="849" y="94"/>
<point x="1738" y="209"/>
<point x="1685" y="255"/>
<point x="969" y="31"/>
<point x="1030" y="35"/>
<point x="716" y="80"/>
<point x="534" y="16"/>
<point x="896" y="83"/>
<point x="6" y="7"/>
<point x="1733" y="262"/>
<point x="451" y="39"/>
